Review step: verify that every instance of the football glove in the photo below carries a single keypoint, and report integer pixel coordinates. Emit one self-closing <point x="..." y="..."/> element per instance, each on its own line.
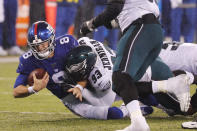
<point x="112" y="24"/>
<point x="87" y="27"/>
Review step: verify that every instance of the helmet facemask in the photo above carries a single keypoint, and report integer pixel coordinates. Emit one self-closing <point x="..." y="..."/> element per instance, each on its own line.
<point x="79" y="62"/>
<point x="44" y="53"/>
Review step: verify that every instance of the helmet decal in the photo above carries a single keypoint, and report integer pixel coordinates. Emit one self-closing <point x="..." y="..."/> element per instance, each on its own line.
<point x="77" y="67"/>
<point x="80" y="61"/>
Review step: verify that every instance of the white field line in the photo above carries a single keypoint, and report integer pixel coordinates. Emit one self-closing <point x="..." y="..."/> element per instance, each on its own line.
<point x="10" y="93"/>
<point x="9" y="59"/>
<point x="7" y="78"/>
<point x="47" y="113"/>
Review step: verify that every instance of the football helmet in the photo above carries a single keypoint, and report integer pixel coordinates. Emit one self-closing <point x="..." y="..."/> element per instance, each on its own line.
<point x="39" y="33"/>
<point x="80" y="61"/>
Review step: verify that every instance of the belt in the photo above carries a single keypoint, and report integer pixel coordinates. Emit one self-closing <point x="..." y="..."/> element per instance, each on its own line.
<point x="146" y="19"/>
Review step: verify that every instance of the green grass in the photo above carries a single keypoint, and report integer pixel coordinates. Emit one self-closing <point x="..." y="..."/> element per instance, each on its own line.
<point x="44" y="112"/>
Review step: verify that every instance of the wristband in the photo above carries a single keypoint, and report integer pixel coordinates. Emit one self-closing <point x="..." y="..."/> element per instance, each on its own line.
<point x="31" y="90"/>
<point x="80" y="87"/>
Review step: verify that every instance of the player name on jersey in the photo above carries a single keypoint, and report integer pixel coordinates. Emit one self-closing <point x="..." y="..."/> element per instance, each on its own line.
<point x="101" y="52"/>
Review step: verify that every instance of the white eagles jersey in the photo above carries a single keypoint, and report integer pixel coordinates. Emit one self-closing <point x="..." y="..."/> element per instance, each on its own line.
<point x="134" y="9"/>
<point x="101" y="75"/>
<point x="180" y="56"/>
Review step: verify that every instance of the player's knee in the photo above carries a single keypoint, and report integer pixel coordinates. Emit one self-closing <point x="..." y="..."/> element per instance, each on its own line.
<point x="119" y="80"/>
<point x="124" y="86"/>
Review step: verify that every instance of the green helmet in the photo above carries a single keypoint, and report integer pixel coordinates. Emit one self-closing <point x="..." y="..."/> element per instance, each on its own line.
<point x="79" y="62"/>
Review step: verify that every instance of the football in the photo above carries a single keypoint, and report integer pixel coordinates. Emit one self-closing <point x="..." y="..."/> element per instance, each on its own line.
<point x="39" y="72"/>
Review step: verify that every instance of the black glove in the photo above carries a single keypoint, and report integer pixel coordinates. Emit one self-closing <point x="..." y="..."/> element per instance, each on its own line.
<point x="87" y="27"/>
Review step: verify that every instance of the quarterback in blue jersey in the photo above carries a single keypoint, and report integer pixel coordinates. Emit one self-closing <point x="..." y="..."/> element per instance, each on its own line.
<point x="45" y="52"/>
<point x="50" y="54"/>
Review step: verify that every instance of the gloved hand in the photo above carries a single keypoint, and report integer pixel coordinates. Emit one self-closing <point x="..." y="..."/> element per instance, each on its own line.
<point x="112" y="24"/>
<point x="87" y="27"/>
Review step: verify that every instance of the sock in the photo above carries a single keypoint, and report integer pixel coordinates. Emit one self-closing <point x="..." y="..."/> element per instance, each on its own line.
<point x="138" y="121"/>
<point x="134" y="109"/>
<point x="124" y="110"/>
<point x="159" y="86"/>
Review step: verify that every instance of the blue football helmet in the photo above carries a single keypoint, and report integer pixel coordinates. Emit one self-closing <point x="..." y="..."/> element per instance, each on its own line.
<point x="41" y="32"/>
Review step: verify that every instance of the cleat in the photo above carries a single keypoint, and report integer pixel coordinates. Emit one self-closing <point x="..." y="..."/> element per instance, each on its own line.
<point x="180" y="87"/>
<point x="146" y="110"/>
<point x="189" y="125"/>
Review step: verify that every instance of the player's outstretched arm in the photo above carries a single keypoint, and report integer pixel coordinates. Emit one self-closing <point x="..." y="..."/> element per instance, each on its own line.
<point x="77" y="89"/>
<point x="24" y="91"/>
<point x="20" y="91"/>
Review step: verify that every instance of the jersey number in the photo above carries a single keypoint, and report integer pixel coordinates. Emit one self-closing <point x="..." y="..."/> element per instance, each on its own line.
<point x="64" y="40"/>
<point x="27" y="54"/>
<point x="59" y="77"/>
<point x="97" y="74"/>
<point x="173" y="47"/>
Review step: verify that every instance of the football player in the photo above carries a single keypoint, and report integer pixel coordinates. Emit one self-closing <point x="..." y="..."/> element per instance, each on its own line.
<point x="139" y="46"/>
<point x="182" y="56"/>
<point x="98" y="79"/>
<point x="49" y="53"/>
<point x="179" y="56"/>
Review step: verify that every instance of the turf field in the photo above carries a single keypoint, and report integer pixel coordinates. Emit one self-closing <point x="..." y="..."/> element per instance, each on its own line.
<point x="44" y="112"/>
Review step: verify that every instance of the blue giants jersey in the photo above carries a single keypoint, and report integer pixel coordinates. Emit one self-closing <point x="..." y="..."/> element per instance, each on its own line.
<point x="54" y="66"/>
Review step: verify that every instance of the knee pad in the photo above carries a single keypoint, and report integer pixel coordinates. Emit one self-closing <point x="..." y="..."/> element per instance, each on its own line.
<point x="124" y="86"/>
<point x="120" y="80"/>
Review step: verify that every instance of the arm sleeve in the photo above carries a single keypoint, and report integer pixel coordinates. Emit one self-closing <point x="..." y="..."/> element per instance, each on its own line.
<point x="112" y="10"/>
<point x="24" y="69"/>
<point x="21" y="80"/>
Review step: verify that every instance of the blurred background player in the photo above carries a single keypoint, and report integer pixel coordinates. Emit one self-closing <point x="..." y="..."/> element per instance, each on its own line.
<point x="102" y="34"/>
<point x="66" y="12"/>
<point x="37" y="11"/>
<point x="183" y="19"/>
<point x="8" y="15"/>
<point x="165" y="19"/>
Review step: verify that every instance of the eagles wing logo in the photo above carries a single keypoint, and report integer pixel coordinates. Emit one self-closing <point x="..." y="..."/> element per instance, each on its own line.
<point x="77" y="67"/>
